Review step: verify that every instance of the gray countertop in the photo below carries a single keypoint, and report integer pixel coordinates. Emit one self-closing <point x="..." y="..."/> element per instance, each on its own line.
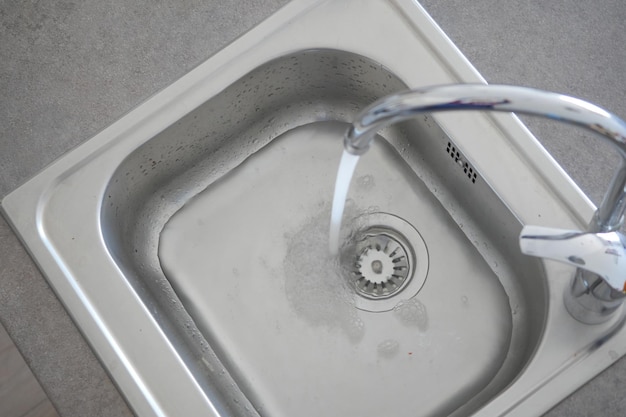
<point x="68" y="69"/>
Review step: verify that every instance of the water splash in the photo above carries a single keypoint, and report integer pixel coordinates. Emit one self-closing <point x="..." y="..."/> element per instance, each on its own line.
<point x="344" y="176"/>
<point x="316" y="283"/>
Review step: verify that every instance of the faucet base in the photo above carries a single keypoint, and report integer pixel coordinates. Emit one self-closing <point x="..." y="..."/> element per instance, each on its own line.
<point x="590" y="299"/>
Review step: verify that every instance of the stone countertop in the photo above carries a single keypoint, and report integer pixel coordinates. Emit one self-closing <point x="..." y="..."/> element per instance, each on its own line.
<point x="68" y="69"/>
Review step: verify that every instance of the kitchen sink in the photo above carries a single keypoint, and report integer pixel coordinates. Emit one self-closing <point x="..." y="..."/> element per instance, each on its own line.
<point x="189" y="240"/>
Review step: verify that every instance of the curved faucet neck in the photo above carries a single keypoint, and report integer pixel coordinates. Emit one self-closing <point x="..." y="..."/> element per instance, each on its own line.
<point x="503" y="98"/>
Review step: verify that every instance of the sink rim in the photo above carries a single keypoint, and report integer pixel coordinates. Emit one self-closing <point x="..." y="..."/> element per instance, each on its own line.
<point x="27" y="208"/>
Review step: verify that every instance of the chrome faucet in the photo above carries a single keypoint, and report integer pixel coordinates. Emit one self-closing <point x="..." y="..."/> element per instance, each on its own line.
<point x="599" y="284"/>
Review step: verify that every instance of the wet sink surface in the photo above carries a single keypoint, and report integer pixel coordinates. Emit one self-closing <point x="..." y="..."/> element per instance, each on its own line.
<point x="189" y="240"/>
<point x="249" y="259"/>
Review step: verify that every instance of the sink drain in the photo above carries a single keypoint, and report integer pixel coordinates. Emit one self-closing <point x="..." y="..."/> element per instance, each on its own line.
<point x="382" y="265"/>
<point x="389" y="258"/>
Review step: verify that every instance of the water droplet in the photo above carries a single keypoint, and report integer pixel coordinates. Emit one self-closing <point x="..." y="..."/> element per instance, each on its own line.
<point x="365" y="182"/>
<point x="388" y="348"/>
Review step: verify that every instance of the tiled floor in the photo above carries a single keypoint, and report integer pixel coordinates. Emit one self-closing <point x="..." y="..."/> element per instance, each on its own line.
<point x="20" y="393"/>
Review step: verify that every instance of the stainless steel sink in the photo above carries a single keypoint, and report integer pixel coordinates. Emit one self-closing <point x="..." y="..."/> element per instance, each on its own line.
<point x="189" y="239"/>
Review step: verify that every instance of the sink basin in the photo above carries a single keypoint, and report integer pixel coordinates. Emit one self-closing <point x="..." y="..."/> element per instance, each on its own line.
<point x="248" y="257"/>
<point x="189" y="240"/>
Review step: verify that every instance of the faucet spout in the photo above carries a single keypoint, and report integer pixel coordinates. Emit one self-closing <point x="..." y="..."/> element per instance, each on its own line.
<point x="503" y="98"/>
<point x="599" y="285"/>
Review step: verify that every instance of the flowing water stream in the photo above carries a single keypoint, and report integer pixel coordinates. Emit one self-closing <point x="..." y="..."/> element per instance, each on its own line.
<point x="344" y="176"/>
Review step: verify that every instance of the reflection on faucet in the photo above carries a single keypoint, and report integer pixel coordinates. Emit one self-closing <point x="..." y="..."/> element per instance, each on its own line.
<point x="598" y="287"/>
<point x="600" y="281"/>
<point x="603" y="254"/>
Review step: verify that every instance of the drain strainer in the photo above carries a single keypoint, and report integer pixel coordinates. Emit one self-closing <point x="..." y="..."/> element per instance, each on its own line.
<point x="389" y="259"/>
<point x="382" y="265"/>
